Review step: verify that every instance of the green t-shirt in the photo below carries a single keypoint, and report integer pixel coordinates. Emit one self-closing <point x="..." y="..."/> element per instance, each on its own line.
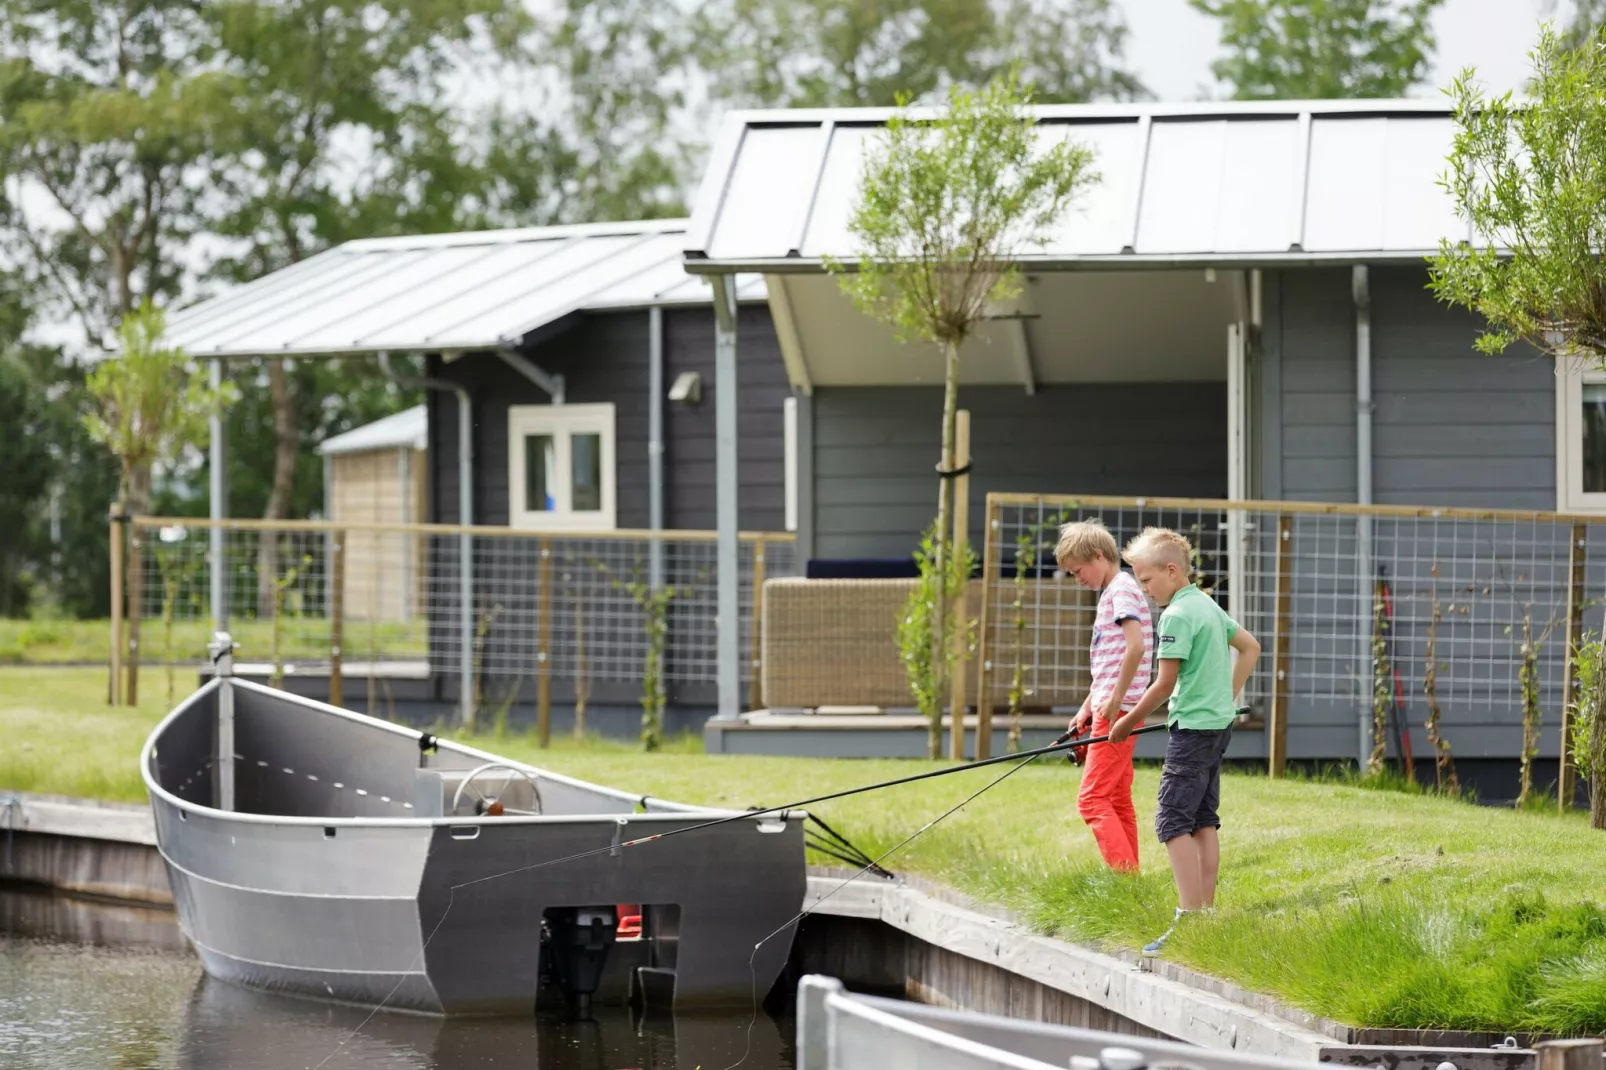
<point x="1196" y="631"/>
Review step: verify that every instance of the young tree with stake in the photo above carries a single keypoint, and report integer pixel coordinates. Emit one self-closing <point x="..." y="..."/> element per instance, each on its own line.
<point x="150" y="403"/>
<point x="1530" y="177"/>
<point x="947" y="202"/>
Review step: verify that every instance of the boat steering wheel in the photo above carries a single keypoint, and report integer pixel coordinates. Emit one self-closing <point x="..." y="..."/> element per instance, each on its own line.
<point x="490" y="805"/>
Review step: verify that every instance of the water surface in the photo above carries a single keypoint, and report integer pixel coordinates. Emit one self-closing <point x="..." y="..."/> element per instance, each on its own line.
<point x="89" y="984"/>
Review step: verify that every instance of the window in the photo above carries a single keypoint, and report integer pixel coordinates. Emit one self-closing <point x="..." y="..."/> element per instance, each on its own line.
<point x="560" y="467"/>
<point x="1580" y="437"/>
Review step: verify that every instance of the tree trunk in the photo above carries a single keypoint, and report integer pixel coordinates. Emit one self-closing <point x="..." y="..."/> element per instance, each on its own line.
<point x="139" y="504"/>
<point x="284" y="470"/>
<point x="945" y="496"/>
<point x="1597" y="779"/>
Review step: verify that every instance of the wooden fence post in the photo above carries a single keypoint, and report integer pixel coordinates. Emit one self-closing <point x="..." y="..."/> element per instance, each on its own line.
<point x="543" y="679"/>
<point x="1570" y="1054"/>
<point x="1281" y="640"/>
<point x="114" y="692"/>
<point x="755" y="699"/>
<point x="961" y="542"/>
<point x="337" y="617"/>
<point x="1575" y="628"/>
<point x="984" y="674"/>
<point x="136" y="595"/>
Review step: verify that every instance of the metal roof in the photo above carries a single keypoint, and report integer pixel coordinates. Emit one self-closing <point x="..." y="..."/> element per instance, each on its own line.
<point x="1208" y="183"/>
<point x="408" y="428"/>
<point x="446" y="292"/>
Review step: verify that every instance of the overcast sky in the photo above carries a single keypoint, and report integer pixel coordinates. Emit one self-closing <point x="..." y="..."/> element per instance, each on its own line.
<point x="1171" y="45"/>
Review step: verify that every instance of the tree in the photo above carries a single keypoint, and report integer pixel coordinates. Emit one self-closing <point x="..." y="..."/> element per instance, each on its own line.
<point x="309" y="77"/>
<point x="149" y="404"/>
<point x="26" y="474"/>
<point x="1531" y="179"/>
<point x="110" y="113"/>
<point x="946" y="204"/>
<point x="833" y="53"/>
<point x="1322" y="49"/>
<point x="1588" y="16"/>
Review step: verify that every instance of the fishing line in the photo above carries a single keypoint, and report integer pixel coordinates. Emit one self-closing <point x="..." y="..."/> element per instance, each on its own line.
<point x="875" y="864"/>
<point x="1022" y="759"/>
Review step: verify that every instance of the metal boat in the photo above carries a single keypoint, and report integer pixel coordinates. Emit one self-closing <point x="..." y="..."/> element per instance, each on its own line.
<point x="318" y="851"/>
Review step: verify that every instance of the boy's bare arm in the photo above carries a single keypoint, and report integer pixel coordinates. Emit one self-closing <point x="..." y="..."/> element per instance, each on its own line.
<point x="1248" y="648"/>
<point x="1165" y="681"/>
<point x="1132" y="631"/>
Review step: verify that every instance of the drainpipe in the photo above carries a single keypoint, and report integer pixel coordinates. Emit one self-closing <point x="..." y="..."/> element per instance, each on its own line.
<point x="548" y="381"/>
<point x="465" y="517"/>
<point x="1361" y="290"/>
<point x="655" y="443"/>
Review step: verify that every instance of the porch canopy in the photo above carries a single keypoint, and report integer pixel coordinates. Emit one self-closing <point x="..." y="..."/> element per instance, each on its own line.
<point x="1153" y="275"/>
<point x="445" y="293"/>
<point x="500" y="291"/>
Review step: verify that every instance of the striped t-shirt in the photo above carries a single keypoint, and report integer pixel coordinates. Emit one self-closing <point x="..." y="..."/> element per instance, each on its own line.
<point x="1122" y="599"/>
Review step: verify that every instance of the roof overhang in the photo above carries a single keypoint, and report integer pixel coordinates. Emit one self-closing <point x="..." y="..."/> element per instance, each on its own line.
<point x="448" y="293"/>
<point x="1223" y="185"/>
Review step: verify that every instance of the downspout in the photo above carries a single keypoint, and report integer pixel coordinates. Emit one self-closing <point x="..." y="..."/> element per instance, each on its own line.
<point x="1361" y="290"/>
<point x="465" y="518"/>
<point x="547" y="381"/>
<point x="655" y="443"/>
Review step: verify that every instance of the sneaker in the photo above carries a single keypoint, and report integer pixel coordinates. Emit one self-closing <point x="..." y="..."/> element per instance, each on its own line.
<point x="1153" y="948"/>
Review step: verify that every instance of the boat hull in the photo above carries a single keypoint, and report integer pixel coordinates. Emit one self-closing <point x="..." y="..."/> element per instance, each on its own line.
<point x="442" y="915"/>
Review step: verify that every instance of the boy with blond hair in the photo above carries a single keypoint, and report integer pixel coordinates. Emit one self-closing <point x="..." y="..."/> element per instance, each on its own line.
<point x="1121" y="650"/>
<point x="1200" y="679"/>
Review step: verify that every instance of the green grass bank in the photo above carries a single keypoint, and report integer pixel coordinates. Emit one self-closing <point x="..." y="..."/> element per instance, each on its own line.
<point x="1375" y="908"/>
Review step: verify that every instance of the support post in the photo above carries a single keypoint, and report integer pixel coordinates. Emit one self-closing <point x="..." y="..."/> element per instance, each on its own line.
<point x="218" y="483"/>
<point x="543" y="657"/>
<point x="961" y="540"/>
<point x="136" y="592"/>
<point x="989" y="584"/>
<point x="728" y="630"/>
<point x="1281" y="639"/>
<point x="755" y="699"/>
<point x="1366" y="575"/>
<point x="222" y="650"/>
<point x="1569" y="683"/>
<point x="114" y="691"/>
<point x="1570" y="1054"/>
<point x="337" y="615"/>
<point x="655" y="444"/>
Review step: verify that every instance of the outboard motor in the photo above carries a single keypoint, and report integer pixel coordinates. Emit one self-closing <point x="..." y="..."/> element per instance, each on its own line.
<point x="579" y="939"/>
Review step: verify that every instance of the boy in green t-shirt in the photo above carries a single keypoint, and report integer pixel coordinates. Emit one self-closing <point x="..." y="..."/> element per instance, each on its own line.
<point x="1199" y="676"/>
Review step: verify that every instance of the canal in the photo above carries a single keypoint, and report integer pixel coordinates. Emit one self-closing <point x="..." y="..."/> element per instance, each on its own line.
<point x="97" y="984"/>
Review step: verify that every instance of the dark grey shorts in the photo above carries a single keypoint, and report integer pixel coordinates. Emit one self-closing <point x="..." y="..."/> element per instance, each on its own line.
<point x="1190" y="783"/>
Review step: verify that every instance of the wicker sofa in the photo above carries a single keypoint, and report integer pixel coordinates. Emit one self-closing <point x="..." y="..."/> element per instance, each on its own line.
<point x="831" y="642"/>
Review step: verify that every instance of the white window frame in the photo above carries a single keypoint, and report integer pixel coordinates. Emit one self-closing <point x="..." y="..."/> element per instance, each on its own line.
<point x="561" y="422"/>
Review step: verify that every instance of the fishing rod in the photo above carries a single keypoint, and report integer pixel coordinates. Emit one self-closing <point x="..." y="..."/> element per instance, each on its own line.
<point x="1063" y="742"/>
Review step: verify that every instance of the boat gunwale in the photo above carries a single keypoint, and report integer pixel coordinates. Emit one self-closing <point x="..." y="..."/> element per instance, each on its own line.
<point x="683" y="810"/>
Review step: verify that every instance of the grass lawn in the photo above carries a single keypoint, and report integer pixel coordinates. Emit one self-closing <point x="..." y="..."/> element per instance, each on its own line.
<point x="1374" y="908"/>
<point x="54" y="642"/>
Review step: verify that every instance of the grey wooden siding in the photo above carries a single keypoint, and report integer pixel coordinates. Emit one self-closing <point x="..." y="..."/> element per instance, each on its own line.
<point x="875" y="449"/>
<point x="1453" y="426"/>
<point x="1450" y="427"/>
<point x="1316" y="408"/>
<point x="689" y="430"/>
<point x="604" y="359"/>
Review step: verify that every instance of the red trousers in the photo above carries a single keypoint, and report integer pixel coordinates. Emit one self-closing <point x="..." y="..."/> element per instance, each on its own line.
<point x="1105" y="799"/>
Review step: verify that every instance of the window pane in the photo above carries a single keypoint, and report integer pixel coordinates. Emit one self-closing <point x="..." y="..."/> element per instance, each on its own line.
<point x="587" y="461"/>
<point x="540" y="473"/>
<point x="1594" y="438"/>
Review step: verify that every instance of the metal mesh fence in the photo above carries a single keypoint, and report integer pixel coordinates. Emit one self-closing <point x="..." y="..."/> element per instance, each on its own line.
<point x="579" y="604"/>
<point x="1417" y="610"/>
